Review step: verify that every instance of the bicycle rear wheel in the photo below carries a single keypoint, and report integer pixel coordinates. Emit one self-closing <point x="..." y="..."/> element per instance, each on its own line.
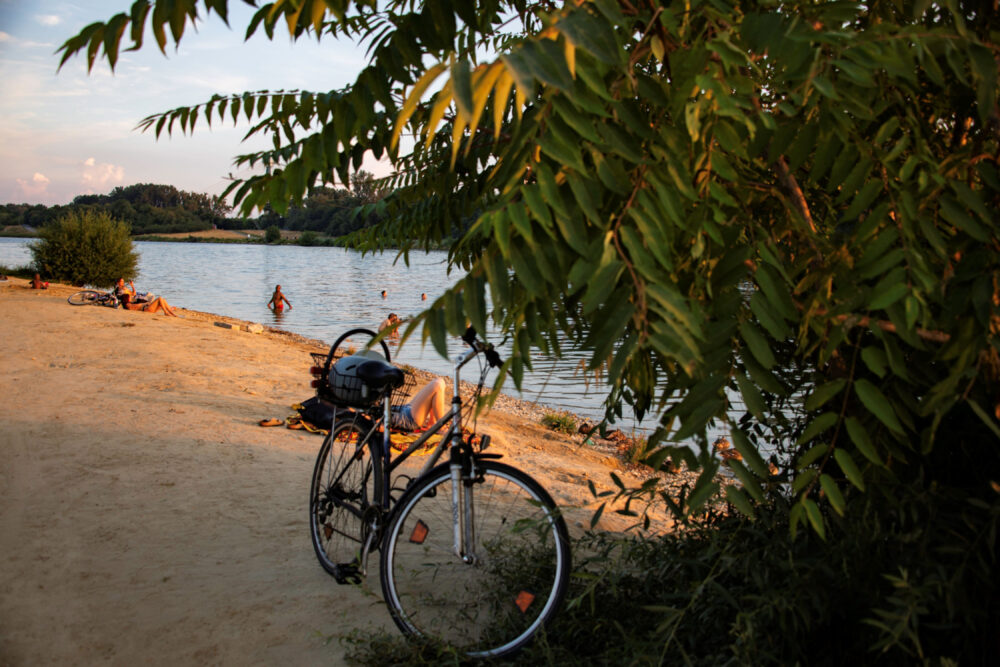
<point x="511" y="582"/>
<point x="84" y="297"/>
<point x="344" y="492"/>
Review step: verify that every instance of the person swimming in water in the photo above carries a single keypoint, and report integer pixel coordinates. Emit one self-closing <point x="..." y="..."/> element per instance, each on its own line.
<point x="278" y="300"/>
<point x="391" y="322"/>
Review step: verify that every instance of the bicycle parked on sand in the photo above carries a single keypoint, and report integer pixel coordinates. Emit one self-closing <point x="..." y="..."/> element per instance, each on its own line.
<point x="89" y="297"/>
<point x="472" y="552"/>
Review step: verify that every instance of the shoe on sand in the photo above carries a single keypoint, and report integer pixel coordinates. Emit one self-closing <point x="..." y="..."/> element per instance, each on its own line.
<point x="274" y="421"/>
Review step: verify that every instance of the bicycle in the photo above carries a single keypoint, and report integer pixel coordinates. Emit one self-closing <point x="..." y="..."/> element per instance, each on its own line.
<point x="93" y="297"/>
<point x="473" y="553"/>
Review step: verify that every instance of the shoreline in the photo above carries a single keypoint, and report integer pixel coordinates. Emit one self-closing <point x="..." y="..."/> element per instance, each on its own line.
<point x="139" y="498"/>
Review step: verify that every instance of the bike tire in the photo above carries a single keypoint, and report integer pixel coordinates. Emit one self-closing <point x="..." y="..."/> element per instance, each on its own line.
<point x="84" y="297"/>
<point x="346" y="485"/>
<point x="494" y="606"/>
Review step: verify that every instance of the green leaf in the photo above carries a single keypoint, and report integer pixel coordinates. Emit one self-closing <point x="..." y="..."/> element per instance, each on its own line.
<point x="956" y="214"/>
<point x="758" y="344"/>
<point x="875" y="360"/>
<point x="751" y="396"/>
<point x="859" y="436"/>
<point x="597" y="516"/>
<point x="833" y="494"/>
<point x="462" y="86"/>
<point x="750" y="454"/>
<point x="810" y="456"/>
<point x="986" y="419"/>
<point x="739" y="500"/>
<point x="888" y="291"/>
<point x="591" y="34"/>
<point x="850" y="468"/>
<point x="762" y="376"/>
<point x="877" y="404"/>
<point x="475" y="302"/>
<point x="703" y="489"/>
<point x="749" y="483"/>
<point x="823" y="393"/>
<point x="815" y="517"/>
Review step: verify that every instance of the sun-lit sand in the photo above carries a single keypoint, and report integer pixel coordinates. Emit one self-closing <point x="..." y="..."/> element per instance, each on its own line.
<point x="146" y="517"/>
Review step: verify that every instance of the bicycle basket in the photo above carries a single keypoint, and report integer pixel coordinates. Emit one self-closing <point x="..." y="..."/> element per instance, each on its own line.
<point x="348" y="387"/>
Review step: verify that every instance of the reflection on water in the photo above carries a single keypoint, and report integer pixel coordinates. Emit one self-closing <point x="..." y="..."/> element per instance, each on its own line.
<point x="332" y="290"/>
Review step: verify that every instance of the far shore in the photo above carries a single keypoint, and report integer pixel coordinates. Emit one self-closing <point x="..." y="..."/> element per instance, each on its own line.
<point x="146" y="517"/>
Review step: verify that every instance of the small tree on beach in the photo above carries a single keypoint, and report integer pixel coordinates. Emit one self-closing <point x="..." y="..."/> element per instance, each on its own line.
<point x="85" y="248"/>
<point x="272" y="234"/>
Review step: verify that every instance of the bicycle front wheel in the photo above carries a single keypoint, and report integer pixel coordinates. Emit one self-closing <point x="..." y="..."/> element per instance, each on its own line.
<point x="491" y="599"/>
<point x="345" y="490"/>
<point x="83" y="298"/>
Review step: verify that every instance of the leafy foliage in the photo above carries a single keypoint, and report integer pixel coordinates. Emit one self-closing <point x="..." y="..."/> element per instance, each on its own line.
<point x="778" y="215"/>
<point x="85" y="248"/>
<point x="272" y="234"/>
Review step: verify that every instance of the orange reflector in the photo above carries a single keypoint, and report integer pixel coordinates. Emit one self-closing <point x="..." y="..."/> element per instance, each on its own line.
<point x="316" y="370"/>
<point x="524" y="600"/>
<point x="314" y="384"/>
<point x="419" y="533"/>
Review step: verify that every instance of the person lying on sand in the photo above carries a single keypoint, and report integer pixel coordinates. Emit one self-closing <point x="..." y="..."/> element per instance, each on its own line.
<point x="157" y="304"/>
<point x="424" y="409"/>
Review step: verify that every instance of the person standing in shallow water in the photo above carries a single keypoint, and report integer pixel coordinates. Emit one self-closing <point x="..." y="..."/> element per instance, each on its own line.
<point x="278" y="300"/>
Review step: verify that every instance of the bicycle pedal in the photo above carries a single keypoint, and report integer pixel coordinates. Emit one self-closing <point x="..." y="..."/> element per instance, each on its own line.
<point x="347" y="574"/>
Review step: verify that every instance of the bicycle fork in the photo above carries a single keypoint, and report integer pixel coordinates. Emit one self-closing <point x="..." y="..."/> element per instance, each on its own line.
<point x="463" y="505"/>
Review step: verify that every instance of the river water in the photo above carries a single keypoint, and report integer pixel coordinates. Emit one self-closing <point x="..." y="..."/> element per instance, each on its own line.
<point x="331" y="290"/>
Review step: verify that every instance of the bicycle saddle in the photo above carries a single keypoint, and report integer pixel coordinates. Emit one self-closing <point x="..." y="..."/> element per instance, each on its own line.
<point x="379" y="375"/>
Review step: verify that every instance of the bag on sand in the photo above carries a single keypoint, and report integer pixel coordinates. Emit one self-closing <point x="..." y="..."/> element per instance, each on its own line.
<point x="317" y="412"/>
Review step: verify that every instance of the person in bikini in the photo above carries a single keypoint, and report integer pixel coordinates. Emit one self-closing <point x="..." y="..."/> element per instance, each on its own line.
<point x="135" y="297"/>
<point x="423" y="410"/>
<point x="278" y="300"/>
<point x="154" y="306"/>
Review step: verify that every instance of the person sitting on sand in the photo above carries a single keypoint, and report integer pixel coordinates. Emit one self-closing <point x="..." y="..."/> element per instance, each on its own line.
<point x="36" y="283"/>
<point x="424" y="409"/>
<point x="134" y="297"/>
<point x="156" y="305"/>
<point x="278" y="300"/>
<point x="390" y="322"/>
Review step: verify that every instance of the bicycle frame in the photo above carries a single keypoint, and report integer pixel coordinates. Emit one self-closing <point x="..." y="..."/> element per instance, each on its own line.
<point x="462" y="502"/>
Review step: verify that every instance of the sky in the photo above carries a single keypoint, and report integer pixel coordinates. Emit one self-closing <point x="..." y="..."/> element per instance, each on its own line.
<point x="68" y="133"/>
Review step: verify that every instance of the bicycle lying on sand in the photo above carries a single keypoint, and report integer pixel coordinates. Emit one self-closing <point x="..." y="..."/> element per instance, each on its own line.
<point x="473" y="552"/>
<point x="89" y="297"/>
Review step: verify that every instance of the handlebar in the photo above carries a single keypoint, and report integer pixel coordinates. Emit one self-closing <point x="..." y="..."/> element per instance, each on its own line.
<point x="492" y="358"/>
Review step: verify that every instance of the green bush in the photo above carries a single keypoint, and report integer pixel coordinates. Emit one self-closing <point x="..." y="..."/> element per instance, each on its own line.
<point x="85" y="248"/>
<point x="559" y="421"/>
<point x="309" y="238"/>
<point x="272" y="234"/>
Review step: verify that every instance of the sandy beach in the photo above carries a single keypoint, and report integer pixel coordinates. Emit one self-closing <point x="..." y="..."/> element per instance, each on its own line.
<point x="146" y="517"/>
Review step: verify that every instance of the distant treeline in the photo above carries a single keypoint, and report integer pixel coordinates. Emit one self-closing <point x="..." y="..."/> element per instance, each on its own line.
<point x="163" y="209"/>
<point x="330" y="211"/>
<point x="148" y="208"/>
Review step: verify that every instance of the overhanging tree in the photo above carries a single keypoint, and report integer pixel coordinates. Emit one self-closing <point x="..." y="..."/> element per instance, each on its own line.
<point x="786" y="209"/>
<point x="703" y="195"/>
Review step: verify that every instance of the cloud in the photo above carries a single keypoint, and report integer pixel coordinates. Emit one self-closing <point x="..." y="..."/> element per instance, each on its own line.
<point x="4" y="37"/>
<point x="35" y="187"/>
<point x="48" y="19"/>
<point x="100" y="177"/>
